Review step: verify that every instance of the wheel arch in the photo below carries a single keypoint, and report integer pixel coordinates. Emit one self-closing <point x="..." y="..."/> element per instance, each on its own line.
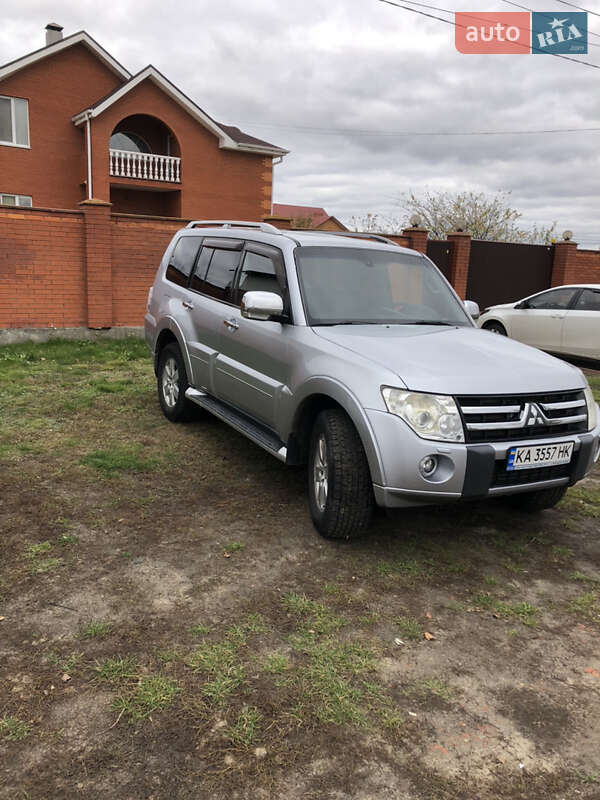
<point x="318" y="395"/>
<point x="170" y="333"/>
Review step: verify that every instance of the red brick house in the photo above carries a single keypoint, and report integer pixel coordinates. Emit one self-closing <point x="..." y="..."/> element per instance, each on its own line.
<point x="76" y="125"/>
<point x="308" y="217"/>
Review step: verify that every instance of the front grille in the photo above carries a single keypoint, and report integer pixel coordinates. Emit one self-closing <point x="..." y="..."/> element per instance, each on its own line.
<point x="504" y="477"/>
<point x="502" y="418"/>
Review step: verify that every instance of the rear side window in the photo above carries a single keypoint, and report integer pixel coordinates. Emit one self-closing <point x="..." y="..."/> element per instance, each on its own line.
<point x="182" y="260"/>
<point x="217" y="280"/>
<point x="589" y="300"/>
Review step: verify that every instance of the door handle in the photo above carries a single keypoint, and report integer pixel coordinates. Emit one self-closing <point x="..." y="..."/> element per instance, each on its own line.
<point x="556" y="316"/>
<point x="187" y="304"/>
<point x="232" y="324"/>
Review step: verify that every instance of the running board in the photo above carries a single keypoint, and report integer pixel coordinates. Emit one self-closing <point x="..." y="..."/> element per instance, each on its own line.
<point x="254" y="431"/>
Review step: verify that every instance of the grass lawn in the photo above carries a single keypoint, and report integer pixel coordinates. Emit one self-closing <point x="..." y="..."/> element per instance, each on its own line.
<point x="171" y="626"/>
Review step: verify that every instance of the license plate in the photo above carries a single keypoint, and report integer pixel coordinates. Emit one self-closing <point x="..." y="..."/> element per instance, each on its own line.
<point x="545" y="455"/>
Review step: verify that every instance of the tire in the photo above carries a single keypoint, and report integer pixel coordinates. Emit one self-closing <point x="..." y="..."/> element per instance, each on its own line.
<point x="537" y="501"/>
<point x="340" y="491"/>
<point x="495" y="327"/>
<point x="172" y="383"/>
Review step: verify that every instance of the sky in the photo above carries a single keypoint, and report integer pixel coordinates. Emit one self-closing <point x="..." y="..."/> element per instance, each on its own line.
<point x="350" y="87"/>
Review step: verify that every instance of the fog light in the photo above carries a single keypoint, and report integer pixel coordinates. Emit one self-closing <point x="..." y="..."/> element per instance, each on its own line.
<point x="427" y="466"/>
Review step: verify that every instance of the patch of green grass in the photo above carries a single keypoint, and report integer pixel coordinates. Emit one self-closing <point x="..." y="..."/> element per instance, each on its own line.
<point x="276" y="663"/>
<point x="490" y="580"/>
<point x="408" y="628"/>
<point x="329" y="681"/>
<point x="583" y="500"/>
<point x="243" y="731"/>
<point x="40" y="549"/>
<point x="118" y="459"/>
<point x="95" y="629"/>
<point x="524" y="612"/>
<point x="65" y="663"/>
<point x="13" y="729"/>
<point x="66" y="352"/>
<point x="199" y="630"/>
<point x="233" y="547"/>
<point x="409" y="567"/>
<point x="155" y="693"/>
<point x="313" y="616"/>
<point x="581" y="576"/>
<point x="561" y="552"/>
<point x="586" y="605"/>
<point x="67" y="539"/>
<point x="432" y="686"/>
<point x="115" y="670"/>
<point x="333" y="589"/>
<point x="39" y="564"/>
<point x="368" y="619"/>
<point x="119" y="386"/>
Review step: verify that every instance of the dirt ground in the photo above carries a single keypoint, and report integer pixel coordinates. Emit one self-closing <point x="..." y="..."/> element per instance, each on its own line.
<point x="171" y="626"/>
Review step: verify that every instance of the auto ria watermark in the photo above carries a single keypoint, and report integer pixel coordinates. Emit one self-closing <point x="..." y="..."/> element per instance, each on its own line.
<point x="521" y="33"/>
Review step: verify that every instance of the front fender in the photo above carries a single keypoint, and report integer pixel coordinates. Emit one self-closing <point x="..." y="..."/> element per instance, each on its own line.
<point x="336" y="390"/>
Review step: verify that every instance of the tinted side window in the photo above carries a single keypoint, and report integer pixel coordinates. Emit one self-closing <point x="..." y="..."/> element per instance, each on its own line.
<point x="218" y="281"/>
<point x="182" y="260"/>
<point x="589" y="300"/>
<point x="201" y="269"/>
<point x="258" y="275"/>
<point x="556" y="299"/>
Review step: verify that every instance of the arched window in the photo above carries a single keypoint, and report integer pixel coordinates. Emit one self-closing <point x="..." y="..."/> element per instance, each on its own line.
<point x="124" y="140"/>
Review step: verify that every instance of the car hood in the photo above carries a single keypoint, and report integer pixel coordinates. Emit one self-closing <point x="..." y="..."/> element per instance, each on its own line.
<point x="455" y="360"/>
<point x="501" y="305"/>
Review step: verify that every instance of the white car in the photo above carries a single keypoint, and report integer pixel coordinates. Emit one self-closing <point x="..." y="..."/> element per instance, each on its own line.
<point x="565" y="319"/>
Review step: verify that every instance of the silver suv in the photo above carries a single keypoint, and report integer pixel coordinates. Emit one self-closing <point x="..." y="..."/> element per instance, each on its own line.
<point x="355" y="356"/>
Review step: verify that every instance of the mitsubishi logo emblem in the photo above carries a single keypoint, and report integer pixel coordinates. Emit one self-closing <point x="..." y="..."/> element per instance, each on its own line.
<point x="533" y="415"/>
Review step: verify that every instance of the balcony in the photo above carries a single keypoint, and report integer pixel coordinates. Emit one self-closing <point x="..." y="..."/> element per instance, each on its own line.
<point x="144" y="166"/>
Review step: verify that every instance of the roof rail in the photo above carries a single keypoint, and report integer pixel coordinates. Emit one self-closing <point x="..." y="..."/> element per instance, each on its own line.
<point x="351" y="234"/>
<point x="231" y="223"/>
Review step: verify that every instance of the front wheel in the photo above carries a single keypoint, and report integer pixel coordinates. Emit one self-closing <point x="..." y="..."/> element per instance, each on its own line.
<point x="340" y="492"/>
<point x="495" y="327"/>
<point x="537" y="501"/>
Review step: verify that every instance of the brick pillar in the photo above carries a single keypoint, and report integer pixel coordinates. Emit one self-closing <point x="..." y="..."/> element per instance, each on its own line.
<point x="460" y="255"/>
<point x="98" y="263"/>
<point x="564" y="263"/>
<point x="417" y="238"/>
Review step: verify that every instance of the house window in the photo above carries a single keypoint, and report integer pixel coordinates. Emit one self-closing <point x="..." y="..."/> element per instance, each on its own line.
<point x="14" y="121"/>
<point x="15" y="200"/>
<point x="132" y="142"/>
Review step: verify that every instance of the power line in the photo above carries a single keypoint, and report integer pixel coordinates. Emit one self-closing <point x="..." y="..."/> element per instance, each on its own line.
<point x="564" y="2"/>
<point x="364" y="132"/>
<point x="516" y="5"/>
<point x="456" y="24"/>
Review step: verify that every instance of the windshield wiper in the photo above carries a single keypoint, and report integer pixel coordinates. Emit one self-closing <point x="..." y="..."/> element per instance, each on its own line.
<point x="431" y="322"/>
<point x="344" y="322"/>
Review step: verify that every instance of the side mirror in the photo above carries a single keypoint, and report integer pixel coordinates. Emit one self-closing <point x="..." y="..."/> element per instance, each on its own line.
<point x="472" y="309"/>
<point x="261" y="305"/>
<point x="522" y="304"/>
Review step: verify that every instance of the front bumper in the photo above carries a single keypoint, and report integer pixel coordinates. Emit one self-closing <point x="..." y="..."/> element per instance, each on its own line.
<point x="469" y="470"/>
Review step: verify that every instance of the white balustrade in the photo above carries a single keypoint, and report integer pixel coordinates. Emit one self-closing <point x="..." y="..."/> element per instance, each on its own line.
<point x="144" y="166"/>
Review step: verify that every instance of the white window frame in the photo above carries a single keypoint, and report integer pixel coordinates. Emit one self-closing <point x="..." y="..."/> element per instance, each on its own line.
<point x="17" y="198"/>
<point x="13" y="121"/>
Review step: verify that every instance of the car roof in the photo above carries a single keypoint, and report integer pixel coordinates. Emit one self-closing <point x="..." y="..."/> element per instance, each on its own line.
<point x="302" y="238"/>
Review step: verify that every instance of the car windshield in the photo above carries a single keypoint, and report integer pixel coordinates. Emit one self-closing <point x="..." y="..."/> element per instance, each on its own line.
<point x="360" y="286"/>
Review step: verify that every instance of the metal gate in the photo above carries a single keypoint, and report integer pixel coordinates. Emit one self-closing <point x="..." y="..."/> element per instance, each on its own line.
<point x="439" y="252"/>
<point x="500" y="272"/>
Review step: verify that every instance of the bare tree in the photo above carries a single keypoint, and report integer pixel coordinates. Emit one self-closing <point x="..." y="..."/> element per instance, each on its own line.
<point x="487" y="217"/>
<point x="375" y="223"/>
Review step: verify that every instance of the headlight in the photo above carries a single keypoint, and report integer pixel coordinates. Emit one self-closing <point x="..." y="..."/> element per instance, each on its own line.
<point x="431" y="416"/>
<point x="592" y="408"/>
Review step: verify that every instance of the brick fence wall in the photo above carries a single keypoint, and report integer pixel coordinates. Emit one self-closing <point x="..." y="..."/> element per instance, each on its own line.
<point x="91" y="268"/>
